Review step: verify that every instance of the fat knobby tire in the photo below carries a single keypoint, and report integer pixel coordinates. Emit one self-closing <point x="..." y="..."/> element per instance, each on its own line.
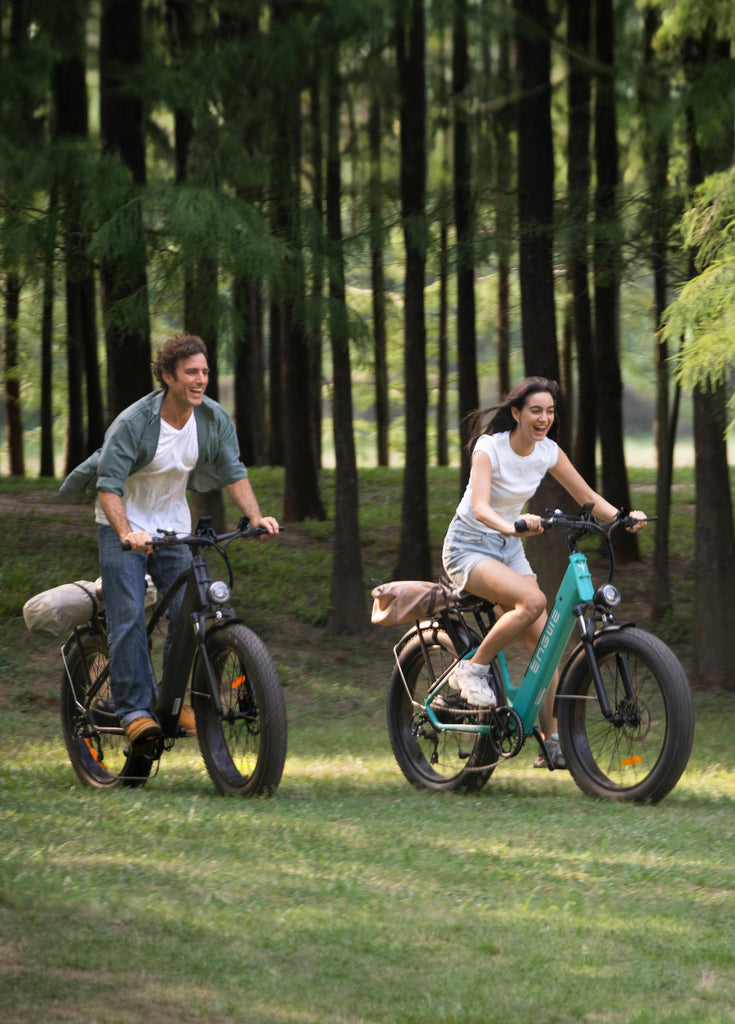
<point x="641" y="753"/>
<point x="244" y="748"/>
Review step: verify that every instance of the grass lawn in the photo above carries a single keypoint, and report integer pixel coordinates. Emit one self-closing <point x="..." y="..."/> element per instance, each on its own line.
<point x="349" y="896"/>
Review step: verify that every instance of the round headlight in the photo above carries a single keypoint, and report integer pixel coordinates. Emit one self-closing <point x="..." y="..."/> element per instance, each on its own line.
<point x="607" y="595"/>
<point x="219" y="592"/>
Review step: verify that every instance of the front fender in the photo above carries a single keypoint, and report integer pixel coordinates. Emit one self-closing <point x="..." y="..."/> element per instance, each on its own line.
<point x="579" y="652"/>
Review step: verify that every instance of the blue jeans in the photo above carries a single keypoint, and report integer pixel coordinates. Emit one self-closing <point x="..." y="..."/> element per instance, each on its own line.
<point x="132" y="679"/>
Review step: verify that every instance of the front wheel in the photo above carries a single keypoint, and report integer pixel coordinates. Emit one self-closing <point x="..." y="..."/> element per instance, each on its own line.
<point x="244" y="746"/>
<point x="428" y="756"/>
<point x="642" y="750"/>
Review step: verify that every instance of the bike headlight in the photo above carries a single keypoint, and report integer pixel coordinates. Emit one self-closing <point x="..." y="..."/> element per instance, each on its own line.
<point x="219" y="592"/>
<point x="607" y="595"/>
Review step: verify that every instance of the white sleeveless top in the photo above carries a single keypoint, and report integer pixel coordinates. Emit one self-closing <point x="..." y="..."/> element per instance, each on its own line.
<point x="514" y="479"/>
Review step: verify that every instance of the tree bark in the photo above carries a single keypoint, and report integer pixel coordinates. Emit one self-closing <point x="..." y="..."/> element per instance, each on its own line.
<point x="414" y="555"/>
<point x="578" y="186"/>
<point x="13" y="413"/>
<point x="464" y="218"/>
<point x="377" y="277"/>
<point x="713" y="655"/>
<point x="536" y="190"/>
<point x="347" y="595"/>
<point x="123" y="268"/>
<point x="654" y="97"/>
<point x="70" y="132"/>
<point x="535" y="227"/>
<point x="302" y="499"/>
<point x="607" y="281"/>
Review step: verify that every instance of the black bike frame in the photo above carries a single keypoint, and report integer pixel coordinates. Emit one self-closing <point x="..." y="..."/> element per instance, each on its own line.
<point x="188" y="639"/>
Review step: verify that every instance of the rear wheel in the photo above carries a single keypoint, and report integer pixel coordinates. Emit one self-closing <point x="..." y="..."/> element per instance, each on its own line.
<point x="429" y="756"/>
<point x="244" y="747"/>
<point x="95" y="741"/>
<point x="641" y="752"/>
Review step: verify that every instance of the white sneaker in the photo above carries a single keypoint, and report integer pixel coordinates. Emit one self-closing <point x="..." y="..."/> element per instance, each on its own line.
<point x="472" y="682"/>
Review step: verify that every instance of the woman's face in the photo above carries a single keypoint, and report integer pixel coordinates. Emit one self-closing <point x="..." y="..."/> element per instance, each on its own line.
<point x="536" y="417"/>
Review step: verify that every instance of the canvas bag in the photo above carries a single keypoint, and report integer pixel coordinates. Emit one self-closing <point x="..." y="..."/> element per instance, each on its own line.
<point x="56" y="612"/>
<point x="405" y="601"/>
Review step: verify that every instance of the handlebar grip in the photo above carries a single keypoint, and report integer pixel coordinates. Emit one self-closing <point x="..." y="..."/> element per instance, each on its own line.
<point x="520" y="525"/>
<point x="126" y="545"/>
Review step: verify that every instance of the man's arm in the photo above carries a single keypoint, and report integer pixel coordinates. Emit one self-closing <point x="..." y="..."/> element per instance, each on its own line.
<point x="243" y="496"/>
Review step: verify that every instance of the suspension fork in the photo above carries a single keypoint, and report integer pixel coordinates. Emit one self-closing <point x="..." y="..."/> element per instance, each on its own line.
<point x="587" y="632"/>
<point x="588" y="635"/>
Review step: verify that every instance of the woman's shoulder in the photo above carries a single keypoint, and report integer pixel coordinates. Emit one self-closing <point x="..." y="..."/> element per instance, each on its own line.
<point x="492" y="442"/>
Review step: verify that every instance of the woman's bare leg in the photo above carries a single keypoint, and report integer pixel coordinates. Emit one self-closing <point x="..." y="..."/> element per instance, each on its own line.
<point x="520" y="598"/>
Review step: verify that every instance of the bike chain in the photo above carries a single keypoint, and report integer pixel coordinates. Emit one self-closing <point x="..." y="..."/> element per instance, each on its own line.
<point x="509" y="734"/>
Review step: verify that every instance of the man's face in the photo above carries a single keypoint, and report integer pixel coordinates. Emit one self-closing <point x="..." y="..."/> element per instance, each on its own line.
<point x="188" y="384"/>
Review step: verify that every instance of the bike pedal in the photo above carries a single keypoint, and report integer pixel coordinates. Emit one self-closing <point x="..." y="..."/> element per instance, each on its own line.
<point x="145" y="749"/>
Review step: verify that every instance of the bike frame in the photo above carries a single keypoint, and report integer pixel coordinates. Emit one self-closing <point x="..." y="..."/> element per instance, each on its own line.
<point x="573" y="598"/>
<point x="187" y="642"/>
<point x="188" y="639"/>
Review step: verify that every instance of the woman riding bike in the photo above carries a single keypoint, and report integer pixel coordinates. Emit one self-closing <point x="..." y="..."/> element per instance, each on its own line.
<point x="483" y="553"/>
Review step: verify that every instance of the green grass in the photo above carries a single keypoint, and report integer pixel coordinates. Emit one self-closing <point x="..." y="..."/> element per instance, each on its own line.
<point x="349" y="896"/>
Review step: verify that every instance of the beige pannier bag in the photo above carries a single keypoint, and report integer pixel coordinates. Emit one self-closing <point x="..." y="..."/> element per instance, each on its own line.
<point x="405" y="601"/>
<point x="56" y="612"/>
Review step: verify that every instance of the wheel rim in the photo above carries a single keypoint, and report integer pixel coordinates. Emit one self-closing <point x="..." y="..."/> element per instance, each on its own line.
<point x="439" y="756"/>
<point x="239" y="736"/>
<point x="623" y="752"/>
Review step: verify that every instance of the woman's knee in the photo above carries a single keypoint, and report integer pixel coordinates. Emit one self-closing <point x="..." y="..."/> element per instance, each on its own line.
<point x="534" y="604"/>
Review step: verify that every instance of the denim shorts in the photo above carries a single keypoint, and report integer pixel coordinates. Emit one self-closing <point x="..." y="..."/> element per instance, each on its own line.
<point x="464" y="548"/>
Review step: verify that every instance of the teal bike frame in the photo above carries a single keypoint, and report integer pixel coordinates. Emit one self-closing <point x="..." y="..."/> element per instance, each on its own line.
<point x="573" y="597"/>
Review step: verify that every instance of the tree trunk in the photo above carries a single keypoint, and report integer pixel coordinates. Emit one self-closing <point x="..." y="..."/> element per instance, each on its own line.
<point x="442" y="344"/>
<point x="13" y="414"/>
<point x="536" y="191"/>
<point x="535" y="213"/>
<point x="654" y="94"/>
<point x="315" y="340"/>
<point x="249" y="397"/>
<point x="71" y="126"/>
<point x="713" y="655"/>
<point x="301" y="488"/>
<point x="347" y="595"/>
<point x="714" y="558"/>
<point x="377" y="276"/>
<point x="607" y="282"/>
<point x="578" y="184"/>
<point x="503" y="126"/>
<point x="414" y="555"/>
<point x="123" y="268"/>
<point x="464" y="218"/>
<point x="47" y="465"/>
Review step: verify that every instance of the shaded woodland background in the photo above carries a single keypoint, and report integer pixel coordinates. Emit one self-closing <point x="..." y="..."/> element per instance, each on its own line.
<point x="420" y="194"/>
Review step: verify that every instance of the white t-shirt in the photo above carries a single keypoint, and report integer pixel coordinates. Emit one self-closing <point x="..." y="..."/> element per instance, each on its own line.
<point x="515" y="478"/>
<point x="155" y="496"/>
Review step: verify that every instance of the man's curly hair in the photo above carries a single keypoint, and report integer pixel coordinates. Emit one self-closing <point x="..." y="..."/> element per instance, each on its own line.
<point x="180" y="347"/>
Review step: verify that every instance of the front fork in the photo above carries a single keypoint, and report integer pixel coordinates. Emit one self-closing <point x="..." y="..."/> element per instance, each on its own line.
<point x="587" y="630"/>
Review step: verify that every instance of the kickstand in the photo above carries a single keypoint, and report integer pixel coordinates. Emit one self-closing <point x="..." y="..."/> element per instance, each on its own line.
<point x="544" y="749"/>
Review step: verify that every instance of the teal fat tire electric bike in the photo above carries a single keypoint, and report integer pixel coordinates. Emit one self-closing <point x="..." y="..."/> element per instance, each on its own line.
<point x="623" y="704"/>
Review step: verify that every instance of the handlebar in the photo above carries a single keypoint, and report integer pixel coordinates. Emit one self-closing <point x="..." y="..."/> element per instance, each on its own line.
<point x="584" y="522"/>
<point x="576" y="526"/>
<point x="203" y="537"/>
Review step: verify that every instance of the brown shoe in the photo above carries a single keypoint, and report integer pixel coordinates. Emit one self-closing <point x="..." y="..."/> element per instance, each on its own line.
<point x="142" y="730"/>
<point x="187" y="721"/>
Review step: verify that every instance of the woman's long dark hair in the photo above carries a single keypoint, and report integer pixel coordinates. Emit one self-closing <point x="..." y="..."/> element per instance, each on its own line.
<point x="501" y="416"/>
